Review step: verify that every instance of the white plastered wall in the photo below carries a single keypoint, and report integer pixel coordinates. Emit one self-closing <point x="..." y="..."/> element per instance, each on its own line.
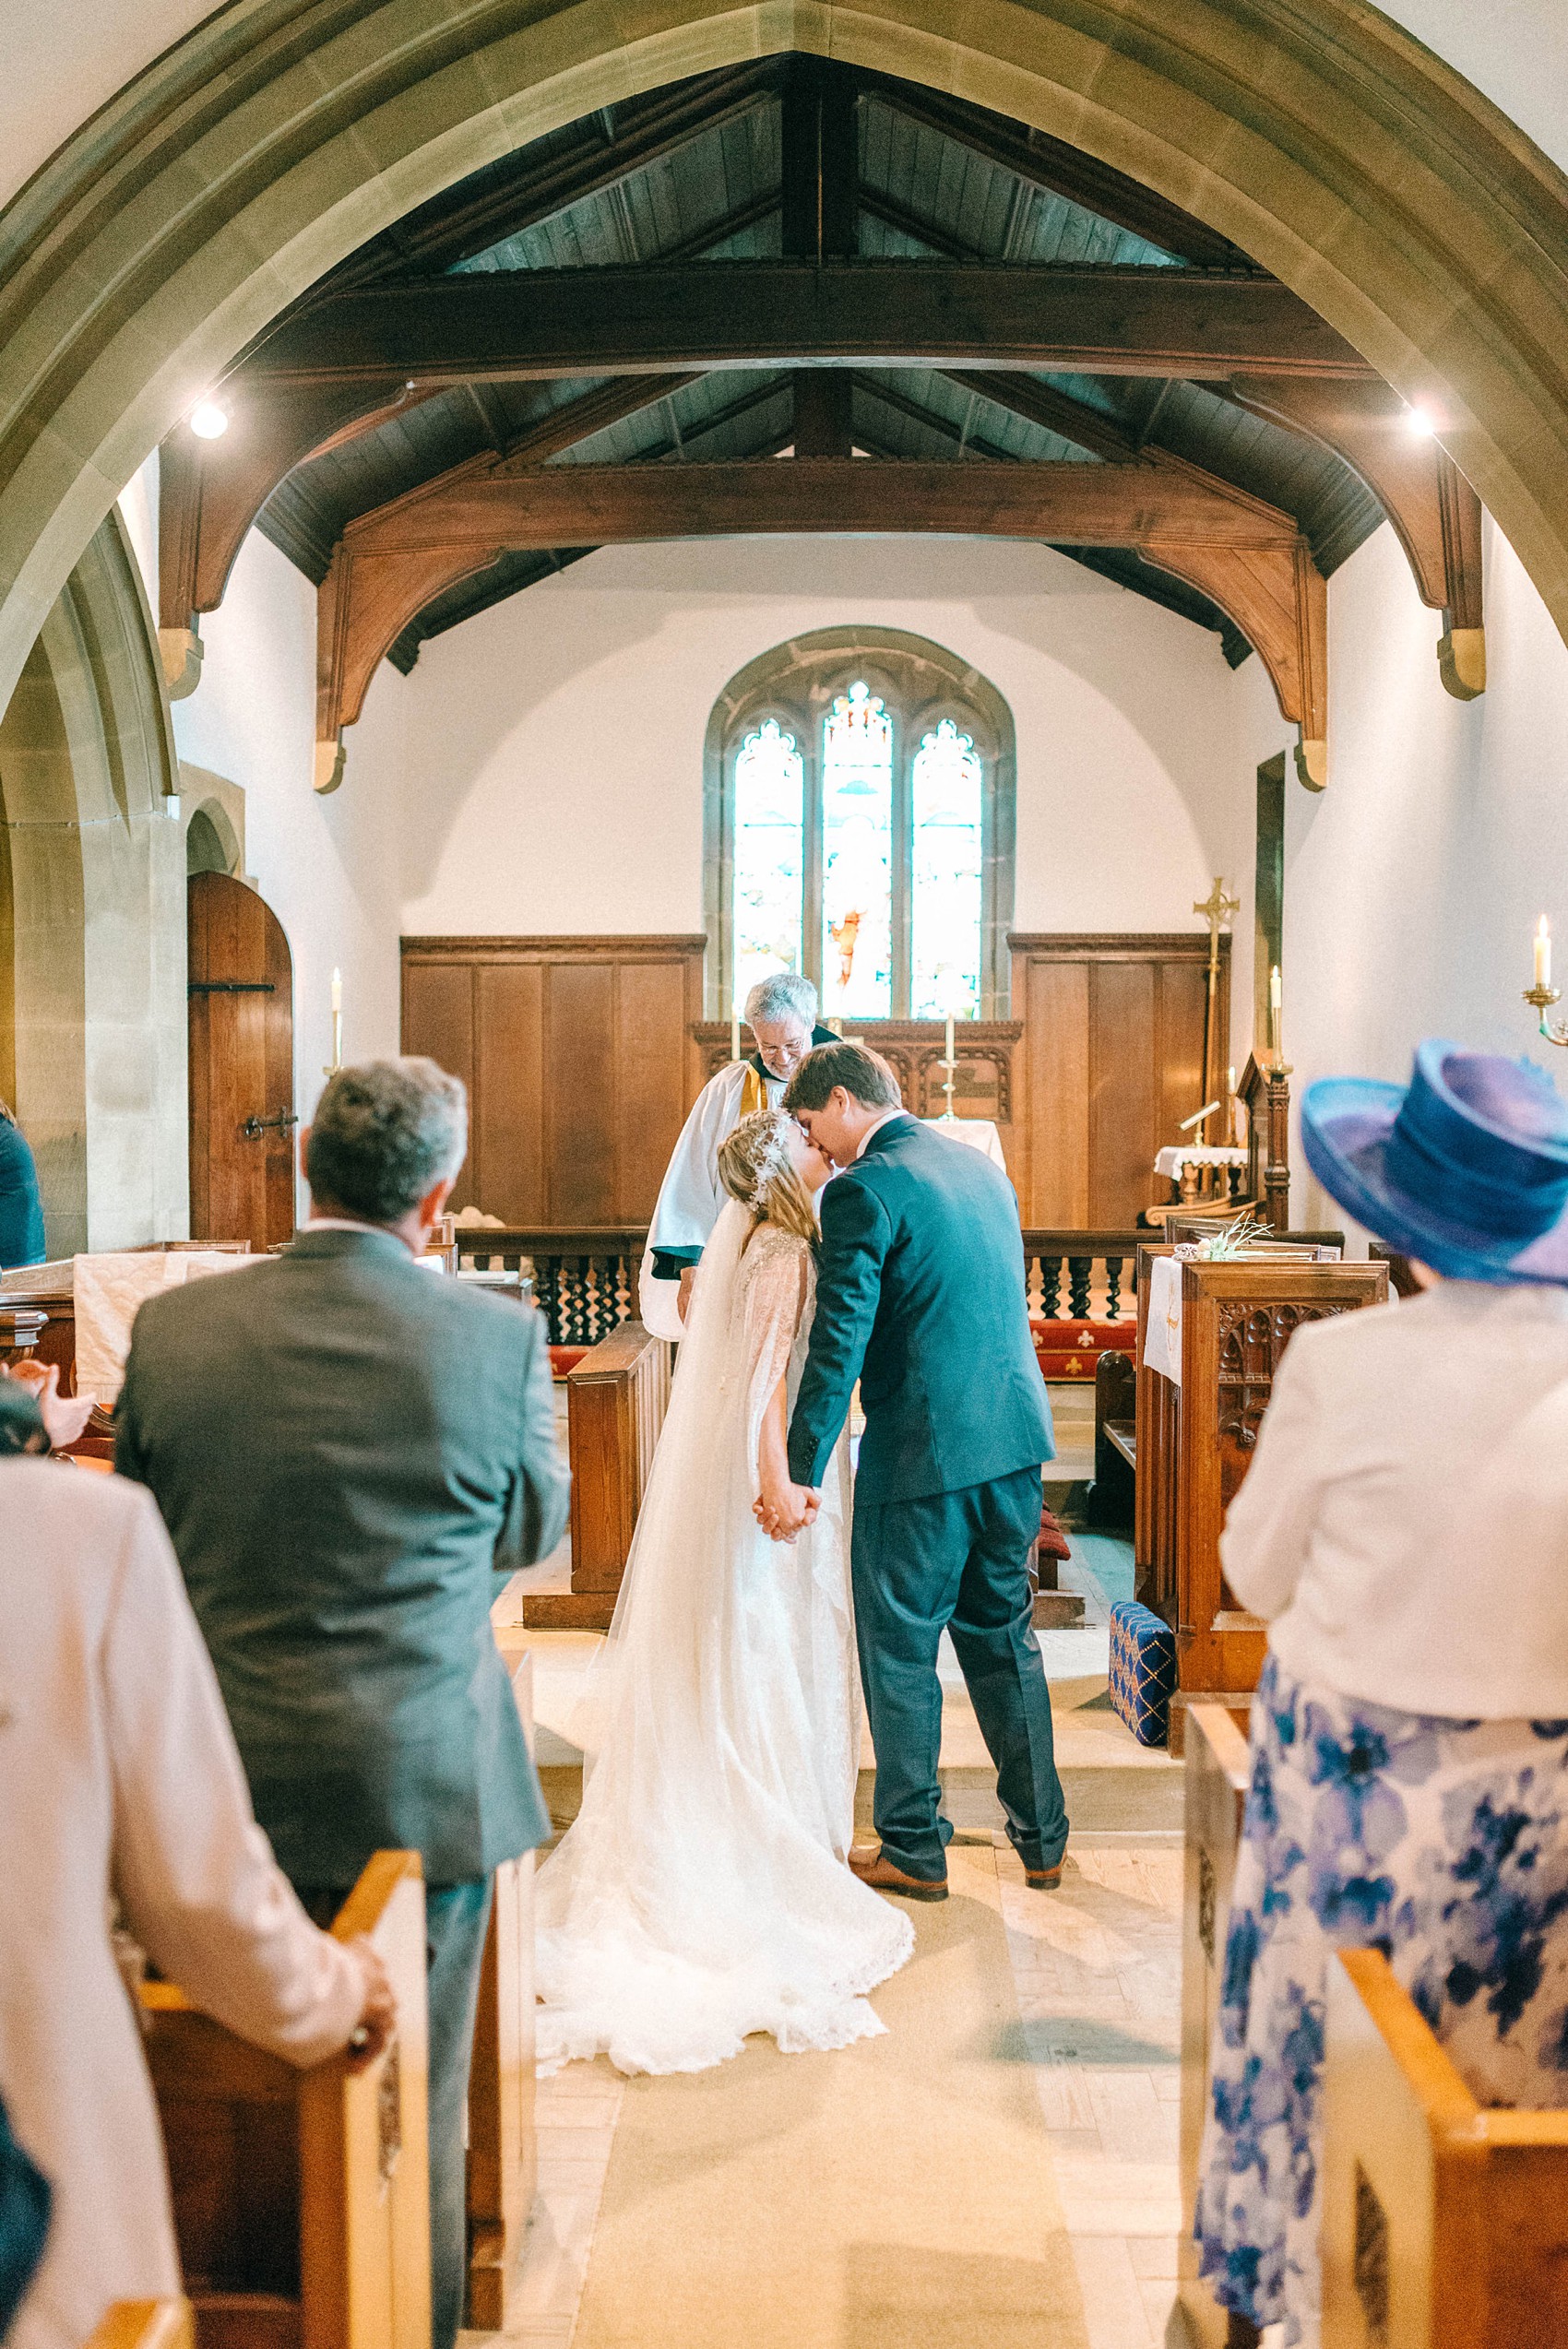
<point x="1412" y="885"/>
<point x="551" y="751"/>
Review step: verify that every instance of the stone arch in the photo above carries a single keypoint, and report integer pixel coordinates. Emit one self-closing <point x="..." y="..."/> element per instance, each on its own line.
<point x="95" y="976"/>
<point x="1367" y="174"/>
<point x="211" y="842"/>
<point x="929" y="682"/>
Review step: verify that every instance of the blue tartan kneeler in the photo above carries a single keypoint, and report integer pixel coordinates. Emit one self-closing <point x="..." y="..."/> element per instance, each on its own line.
<point x="1143" y="1670"/>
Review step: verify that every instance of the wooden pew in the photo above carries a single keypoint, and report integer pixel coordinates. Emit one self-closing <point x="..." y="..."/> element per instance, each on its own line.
<point x="1112" y="1500"/>
<point x="1445" y="2224"/>
<point x="616" y="1398"/>
<point x="144" y="2324"/>
<point x="301" y="2199"/>
<point x="1194" y="1444"/>
<point x="503" y="2139"/>
<point x="1216" y="1793"/>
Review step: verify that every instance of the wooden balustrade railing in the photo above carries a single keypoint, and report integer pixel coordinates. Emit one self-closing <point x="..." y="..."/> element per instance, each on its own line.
<point x="586" y="1282"/>
<point x="1082" y="1276"/>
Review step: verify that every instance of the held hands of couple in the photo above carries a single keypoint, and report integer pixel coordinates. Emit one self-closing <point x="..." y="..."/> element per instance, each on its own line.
<point x="785" y="1510"/>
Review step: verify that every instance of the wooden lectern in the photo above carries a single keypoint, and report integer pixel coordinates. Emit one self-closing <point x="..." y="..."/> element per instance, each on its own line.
<point x="1196" y="1440"/>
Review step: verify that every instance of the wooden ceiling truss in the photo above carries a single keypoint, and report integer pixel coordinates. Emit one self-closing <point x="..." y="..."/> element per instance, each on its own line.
<point x="1248" y="557"/>
<point x="389" y="331"/>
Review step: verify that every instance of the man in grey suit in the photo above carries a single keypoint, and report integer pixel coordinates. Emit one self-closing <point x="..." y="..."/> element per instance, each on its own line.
<point x="351" y="1455"/>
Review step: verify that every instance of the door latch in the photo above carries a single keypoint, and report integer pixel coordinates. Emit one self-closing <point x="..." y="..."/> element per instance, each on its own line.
<point x="279" y="1123"/>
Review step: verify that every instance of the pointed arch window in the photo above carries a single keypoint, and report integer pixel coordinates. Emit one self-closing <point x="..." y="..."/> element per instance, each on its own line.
<point x="861" y="831"/>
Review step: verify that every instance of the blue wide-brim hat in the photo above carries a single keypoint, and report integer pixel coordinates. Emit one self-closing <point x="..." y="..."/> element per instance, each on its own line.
<point x="1465" y="1169"/>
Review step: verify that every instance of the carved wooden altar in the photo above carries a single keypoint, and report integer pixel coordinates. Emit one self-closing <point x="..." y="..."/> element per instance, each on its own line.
<point x="1195" y="1441"/>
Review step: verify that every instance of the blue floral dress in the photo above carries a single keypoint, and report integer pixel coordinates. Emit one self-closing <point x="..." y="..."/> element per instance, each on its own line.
<point x="1443" y="1843"/>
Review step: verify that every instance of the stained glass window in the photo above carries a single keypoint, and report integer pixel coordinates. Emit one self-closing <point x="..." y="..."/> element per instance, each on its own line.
<point x="946" y="912"/>
<point x="769" y="855"/>
<point x="857" y="857"/>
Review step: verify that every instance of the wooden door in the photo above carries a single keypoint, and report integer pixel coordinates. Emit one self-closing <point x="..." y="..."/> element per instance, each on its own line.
<point x="241" y="1043"/>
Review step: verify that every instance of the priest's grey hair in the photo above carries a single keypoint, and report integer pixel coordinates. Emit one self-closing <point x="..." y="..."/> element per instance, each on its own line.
<point x="782" y="994"/>
<point x="384" y="1133"/>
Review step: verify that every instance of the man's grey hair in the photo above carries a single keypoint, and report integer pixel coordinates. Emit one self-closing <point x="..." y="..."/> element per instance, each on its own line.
<point x="782" y="995"/>
<point x="384" y="1133"/>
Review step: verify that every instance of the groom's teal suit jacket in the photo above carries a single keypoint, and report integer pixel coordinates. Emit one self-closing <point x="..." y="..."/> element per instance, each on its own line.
<point x="920" y="1296"/>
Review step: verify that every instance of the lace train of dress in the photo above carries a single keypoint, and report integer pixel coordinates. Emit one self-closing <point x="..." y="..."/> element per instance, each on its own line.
<point x="701" y="1894"/>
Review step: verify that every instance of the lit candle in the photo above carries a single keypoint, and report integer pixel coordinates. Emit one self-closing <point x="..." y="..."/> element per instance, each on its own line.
<point x="950" y="1040"/>
<point x="734" y="1031"/>
<point x="1274" y="1011"/>
<point x="1543" y="955"/>
<point x="337" y="991"/>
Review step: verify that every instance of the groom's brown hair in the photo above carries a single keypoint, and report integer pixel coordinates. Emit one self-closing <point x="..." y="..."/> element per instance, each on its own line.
<point x="860" y="1072"/>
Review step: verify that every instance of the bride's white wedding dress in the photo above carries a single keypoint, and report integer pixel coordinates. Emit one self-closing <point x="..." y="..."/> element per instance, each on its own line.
<point x="702" y="1893"/>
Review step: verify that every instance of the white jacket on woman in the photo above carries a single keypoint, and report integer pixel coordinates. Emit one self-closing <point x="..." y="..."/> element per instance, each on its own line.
<point x="1404" y="1526"/>
<point x="118" y="1773"/>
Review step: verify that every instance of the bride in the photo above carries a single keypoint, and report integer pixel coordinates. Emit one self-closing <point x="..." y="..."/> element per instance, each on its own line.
<point x="702" y="1893"/>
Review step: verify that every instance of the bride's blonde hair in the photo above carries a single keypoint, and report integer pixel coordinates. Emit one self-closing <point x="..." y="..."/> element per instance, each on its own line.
<point x="756" y="1168"/>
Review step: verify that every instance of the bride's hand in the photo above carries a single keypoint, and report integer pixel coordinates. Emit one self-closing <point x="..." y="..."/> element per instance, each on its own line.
<point x="785" y="1510"/>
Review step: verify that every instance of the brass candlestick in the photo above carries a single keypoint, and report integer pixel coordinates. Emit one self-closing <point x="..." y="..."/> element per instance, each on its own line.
<point x="1542" y="998"/>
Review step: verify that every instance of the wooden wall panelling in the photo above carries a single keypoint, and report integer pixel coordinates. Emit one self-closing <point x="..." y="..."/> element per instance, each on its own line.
<point x="1110" y="1062"/>
<point x="509" y="1120"/>
<point x="580" y="1110"/>
<point x="438" y="1019"/>
<point x="580" y="1059"/>
<point x="1054" y="1117"/>
<point x="652" y="1016"/>
<point x="1122" y="1087"/>
<point x="1181" y="1001"/>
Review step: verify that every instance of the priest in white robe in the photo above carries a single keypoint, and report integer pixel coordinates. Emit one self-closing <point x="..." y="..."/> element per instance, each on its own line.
<point x="781" y="1014"/>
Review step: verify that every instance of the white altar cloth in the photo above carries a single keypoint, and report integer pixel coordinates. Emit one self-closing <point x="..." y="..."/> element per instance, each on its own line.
<point x="1162" y="1331"/>
<point x="979" y="1133"/>
<point x="109" y="1289"/>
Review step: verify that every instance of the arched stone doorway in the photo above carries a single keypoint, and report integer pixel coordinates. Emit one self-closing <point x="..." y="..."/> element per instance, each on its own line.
<point x="1350" y="161"/>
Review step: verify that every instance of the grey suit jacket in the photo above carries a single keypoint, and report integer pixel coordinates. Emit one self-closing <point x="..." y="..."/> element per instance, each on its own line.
<point x="348" y="1452"/>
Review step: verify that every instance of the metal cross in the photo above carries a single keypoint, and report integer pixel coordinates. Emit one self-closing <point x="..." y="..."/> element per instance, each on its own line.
<point x="1216" y="908"/>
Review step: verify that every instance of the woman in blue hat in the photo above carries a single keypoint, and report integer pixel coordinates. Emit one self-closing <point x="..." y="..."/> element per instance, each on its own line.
<point x="1404" y="1529"/>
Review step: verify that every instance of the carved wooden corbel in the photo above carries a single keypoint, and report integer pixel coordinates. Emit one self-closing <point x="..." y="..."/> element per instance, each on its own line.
<point x="1435" y="514"/>
<point x="1278" y="599"/>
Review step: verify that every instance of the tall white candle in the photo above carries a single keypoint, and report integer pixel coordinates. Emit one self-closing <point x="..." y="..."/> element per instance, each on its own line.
<point x="1543" y="955"/>
<point x="735" y="1031"/>
<point x="949" y="1039"/>
<point x="337" y="991"/>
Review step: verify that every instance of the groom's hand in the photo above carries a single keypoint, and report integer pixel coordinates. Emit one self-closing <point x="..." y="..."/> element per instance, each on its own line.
<point x="784" y="1511"/>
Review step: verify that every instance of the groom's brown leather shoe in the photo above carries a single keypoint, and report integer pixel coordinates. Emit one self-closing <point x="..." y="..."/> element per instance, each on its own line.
<point x="1044" y="1880"/>
<point x="866" y="1861"/>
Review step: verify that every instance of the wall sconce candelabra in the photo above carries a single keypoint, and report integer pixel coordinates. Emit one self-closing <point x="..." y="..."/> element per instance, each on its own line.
<point x="1543" y="994"/>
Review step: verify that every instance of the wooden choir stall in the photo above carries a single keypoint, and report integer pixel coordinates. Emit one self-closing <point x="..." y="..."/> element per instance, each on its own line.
<point x="1211" y="1336"/>
<point x="1444" y="2221"/>
<point x="301" y="2199"/>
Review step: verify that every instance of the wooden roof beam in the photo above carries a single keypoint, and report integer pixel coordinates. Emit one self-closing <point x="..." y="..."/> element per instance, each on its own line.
<point x="1436" y="513"/>
<point x="390" y="565"/>
<point x="748" y="314"/>
<point x="528" y="189"/>
<point x="210" y="491"/>
<point x="1052" y="166"/>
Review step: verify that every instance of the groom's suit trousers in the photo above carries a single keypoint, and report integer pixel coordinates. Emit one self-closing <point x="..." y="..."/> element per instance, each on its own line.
<point x="959" y="1561"/>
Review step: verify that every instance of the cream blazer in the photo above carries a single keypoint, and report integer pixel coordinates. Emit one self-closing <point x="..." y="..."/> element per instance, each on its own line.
<point x="1404" y="1526"/>
<point x="118" y="1773"/>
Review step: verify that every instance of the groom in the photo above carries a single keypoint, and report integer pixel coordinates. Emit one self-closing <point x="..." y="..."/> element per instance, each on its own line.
<point x="920" y="1297"/>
